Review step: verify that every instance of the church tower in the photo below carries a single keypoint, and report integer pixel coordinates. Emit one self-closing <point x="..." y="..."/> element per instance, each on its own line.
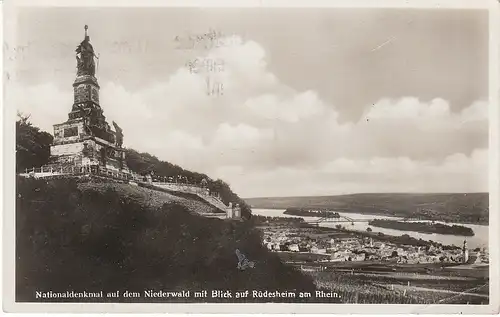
<point x="465" y="253"/>
<point x="86" y="139"/>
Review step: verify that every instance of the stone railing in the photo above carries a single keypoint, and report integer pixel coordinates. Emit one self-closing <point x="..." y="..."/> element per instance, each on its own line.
<point x="181" y="187"/>
<point x="53" y="171"/>
<point x="130" y="177"/>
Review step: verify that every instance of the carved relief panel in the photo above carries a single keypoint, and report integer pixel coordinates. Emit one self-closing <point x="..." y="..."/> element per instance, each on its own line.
<point x="82" y="93"/>
<point x="95" y="95"/>
<point x="79" y="92"/>
<point x="58" y="133"/>
<point x="87" y="91"/>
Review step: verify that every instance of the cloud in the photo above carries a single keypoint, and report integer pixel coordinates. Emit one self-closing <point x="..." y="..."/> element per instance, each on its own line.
<point x="291" y="108"/>
<point x="433" y="115"/>
<point x="241" y="135"/>
<point x="455" y="173"/>
<point x="478" y="111"/>
<point x="455" y="163"/>
<point x="408" y="108"/>
<point x="46" y="103"/>
<point x="265" y="137"/>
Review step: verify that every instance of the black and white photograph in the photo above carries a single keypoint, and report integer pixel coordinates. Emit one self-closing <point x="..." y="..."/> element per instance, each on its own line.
<point x="245" y="155"/>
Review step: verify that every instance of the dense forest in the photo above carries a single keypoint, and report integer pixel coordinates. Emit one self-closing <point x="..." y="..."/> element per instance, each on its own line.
<point x="33" y="150"/>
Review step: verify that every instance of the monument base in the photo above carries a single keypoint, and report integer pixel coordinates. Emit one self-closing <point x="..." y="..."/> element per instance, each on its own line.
<point x="74" y="147"/>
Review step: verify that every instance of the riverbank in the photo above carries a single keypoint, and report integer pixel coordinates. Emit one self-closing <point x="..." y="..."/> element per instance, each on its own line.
<point x="298" y="236"/>
<point x="378" y="236"/>
<point x="360" y="224"/>
<point x="315" y="243"/>
<point x="464" y="208"/>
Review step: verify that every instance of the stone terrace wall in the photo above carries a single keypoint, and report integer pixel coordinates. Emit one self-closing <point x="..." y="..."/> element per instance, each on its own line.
<point x="191" y="189"/>
<point x="65" y="171"/>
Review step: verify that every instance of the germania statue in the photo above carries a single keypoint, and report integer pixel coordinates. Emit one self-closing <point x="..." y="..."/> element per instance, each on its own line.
<point x="85" y="57"/>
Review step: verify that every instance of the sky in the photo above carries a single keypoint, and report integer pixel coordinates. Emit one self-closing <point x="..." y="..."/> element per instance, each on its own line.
<point x="315" y="101"/>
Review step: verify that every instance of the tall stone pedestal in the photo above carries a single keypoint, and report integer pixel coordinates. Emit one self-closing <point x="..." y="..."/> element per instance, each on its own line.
<point x="86" y="138"/>
<point x="74" y="146"/>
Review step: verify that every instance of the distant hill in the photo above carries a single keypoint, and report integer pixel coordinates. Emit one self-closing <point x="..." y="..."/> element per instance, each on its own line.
<point x="460" y="208"/>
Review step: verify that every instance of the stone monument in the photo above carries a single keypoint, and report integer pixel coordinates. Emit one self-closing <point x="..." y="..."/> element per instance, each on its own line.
<point x="86" y="139"/>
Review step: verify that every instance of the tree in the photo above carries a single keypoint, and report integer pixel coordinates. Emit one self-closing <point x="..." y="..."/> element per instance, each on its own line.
<point x="369" y="229"/>
<point x="32" y="145"/>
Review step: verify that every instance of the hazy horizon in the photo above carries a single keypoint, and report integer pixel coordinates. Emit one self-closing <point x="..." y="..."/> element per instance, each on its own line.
<point x="372" y="193"/>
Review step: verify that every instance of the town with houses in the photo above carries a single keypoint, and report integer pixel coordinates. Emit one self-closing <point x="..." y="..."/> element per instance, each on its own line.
<point x="357" y="248"/>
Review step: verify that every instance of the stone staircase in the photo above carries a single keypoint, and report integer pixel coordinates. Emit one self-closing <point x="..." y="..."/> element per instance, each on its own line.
<point x="214" y="202"/>
<point x="192" y="189"/>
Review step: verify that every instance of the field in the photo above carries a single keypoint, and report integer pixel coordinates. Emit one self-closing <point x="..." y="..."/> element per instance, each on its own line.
<point x="363" y="283"/>
<point x="458" y="208"/>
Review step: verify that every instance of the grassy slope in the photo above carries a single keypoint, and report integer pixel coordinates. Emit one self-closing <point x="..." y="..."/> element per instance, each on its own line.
<point x="112" y="237"/>
<point x="466" y="208"/>
<point x="151" y="198"/>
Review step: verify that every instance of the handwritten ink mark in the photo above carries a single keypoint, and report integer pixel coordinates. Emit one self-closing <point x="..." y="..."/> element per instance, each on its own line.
<point x="214" y="88"/>
<point x="208" y="65"/>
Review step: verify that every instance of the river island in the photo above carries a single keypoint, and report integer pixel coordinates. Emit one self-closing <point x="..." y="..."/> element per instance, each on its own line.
<point x="311" y="213"/>
<point x="424" y="227"/>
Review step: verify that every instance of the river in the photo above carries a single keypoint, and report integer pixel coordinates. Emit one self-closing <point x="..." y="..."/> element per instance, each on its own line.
<point x="480" y="238"/>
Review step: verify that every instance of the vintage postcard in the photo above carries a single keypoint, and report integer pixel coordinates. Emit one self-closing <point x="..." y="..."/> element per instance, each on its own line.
<point x="210" y="157"/>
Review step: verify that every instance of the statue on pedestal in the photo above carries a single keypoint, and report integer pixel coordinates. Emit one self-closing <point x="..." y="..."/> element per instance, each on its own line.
<point x="85" y="57"/>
